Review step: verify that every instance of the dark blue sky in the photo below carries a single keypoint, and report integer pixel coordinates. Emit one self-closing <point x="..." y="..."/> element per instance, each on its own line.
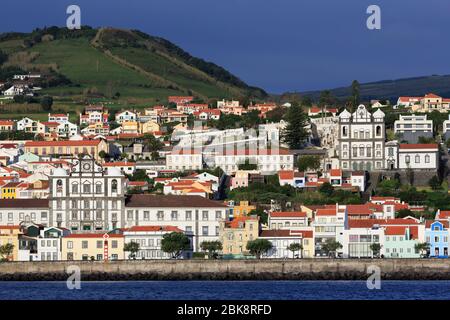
<point x="279" y="45"/>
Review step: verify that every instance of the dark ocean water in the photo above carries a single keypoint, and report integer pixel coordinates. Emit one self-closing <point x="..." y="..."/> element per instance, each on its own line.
<point x="226" y="290"/>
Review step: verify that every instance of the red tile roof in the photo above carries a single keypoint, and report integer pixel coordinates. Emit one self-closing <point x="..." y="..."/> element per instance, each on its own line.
<point x="93" y="235"/>
<point x="288" y="214"/>
<point x="154" y="229"/>
<point x="419" y="146"/>
<point x="65" y="143"/>
<point x="286" y="233"/>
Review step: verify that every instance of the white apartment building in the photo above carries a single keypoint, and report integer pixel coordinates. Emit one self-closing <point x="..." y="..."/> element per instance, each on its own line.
<point x="21" y="124"/>
<point x="49" y="244"/>
<point x="184" y="159"/>
<point x="282" y="239"/>
<point x="287" y="220"/>
<point x="149" y="240"/>
<point x="268" y="161"/>
<point x="15" y="211"/>
<point x="67" y="130"/>
<point x="125" y="116"/>
<point x="411" y="127"/>
<point x="329" y="223"/>
<point x="361" y="140"/>
<point x="192" y="214"/>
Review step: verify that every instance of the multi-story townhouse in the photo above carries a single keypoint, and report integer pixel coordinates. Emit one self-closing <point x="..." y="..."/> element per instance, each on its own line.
<point x="207" y="114"/>
<point x="268" y="161"/>
<point x="69" y="147"/>
<point x="437" y="237"/>
<point x="88" y="197"/>
<point x="21" y="124"/>
<point x="9" y="234"/>
<point x="282" y="239"/>
<point x="97" y="128"/>
<point x="361" y="140"/>
<point x="408" y="101"/>
<point x="411" y="127"/>
<point x="397" y="237"/>
<point x="235" y="234"/>
<point x="287" y="219"/>
<point x="67" y="130"/>
<point x="60" y="118"/>
<point x="329" y="224"/>
<point x="242" y="209"/>
<point x="49" y="244"/>
<point x="126" y="115"/>
<point x="15" y="211"/>
<point x="92" y="246"/>
<point x="184" y="159"/>
<point x="192" y="214"/>
<point x="149" y="240"/>
<point x="6" y="125"/>
<point x="191" y="108"/>
<point x="432" y="102"/>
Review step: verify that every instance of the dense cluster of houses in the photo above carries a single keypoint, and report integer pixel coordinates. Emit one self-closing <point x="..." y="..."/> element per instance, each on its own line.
<point x="68" y="194"/>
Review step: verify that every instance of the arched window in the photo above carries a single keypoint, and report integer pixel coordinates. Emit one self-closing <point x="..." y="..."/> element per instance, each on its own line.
<point x="75" y="187"/>
<point x="417" y="158"/>
<point x="378" y="130"/>
<point x="427" y="159"/>
<point x="344" y="131"/>
<point x="355" y="134"/>
<point x="114" y="185"/>
<point x="407" y="159"/>
<point x="59" y="184"/>
<point x="367" y="134"/>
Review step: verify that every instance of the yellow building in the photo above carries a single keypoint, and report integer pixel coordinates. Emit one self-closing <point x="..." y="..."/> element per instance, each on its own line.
<point x="9" y="190"/>
<point x="235" y="234"/>
<point x="149" y="127"/>
<point x="243" y="209"/>
<point x="87" y="245"/>
<point x="130" y="127"/>
<point x="67" y="147"/>
<point x="10" y="234"/>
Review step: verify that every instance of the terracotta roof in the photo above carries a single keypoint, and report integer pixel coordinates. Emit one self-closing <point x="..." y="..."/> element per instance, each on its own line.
<point x="64" y="143"/>
<point x="288" y="214"/>
<point x="10" y="227"/>
<point x="93" y="235"/>
<point x="431" y="95"/>
<point x="171" y="201"/>
<point x="239" y="222"/>
<point x="358" y="209"/>
<point x="286" y="174"/>
<point x="119" y="164"/>
<point x="401" y="230"/>
<point x="326" y="212"/>
<point x="6" y="122"/>
<point x="24" y="203"/>
<point x="335" y="172"/>
<point x="154" y="229"/>
<point x="419" y="146"/>
<point x="428" y="223"/>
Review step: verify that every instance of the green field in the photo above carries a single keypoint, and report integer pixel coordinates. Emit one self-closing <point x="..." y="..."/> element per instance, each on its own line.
<point x="83" y="64"/>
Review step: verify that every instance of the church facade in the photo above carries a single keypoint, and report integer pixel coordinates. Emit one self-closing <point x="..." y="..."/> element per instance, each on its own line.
<point x="361" y="140"/>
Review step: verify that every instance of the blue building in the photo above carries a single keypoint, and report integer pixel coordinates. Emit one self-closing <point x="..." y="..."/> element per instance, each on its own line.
<point x="436" y="235"/>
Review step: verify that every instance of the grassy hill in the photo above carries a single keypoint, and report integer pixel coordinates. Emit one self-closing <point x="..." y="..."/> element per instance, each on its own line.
<point x="99" y="63"/>
<point x="392" y="89"/>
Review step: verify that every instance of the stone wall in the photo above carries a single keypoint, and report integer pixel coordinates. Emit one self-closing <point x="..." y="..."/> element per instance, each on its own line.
<point x="299" y="269"/>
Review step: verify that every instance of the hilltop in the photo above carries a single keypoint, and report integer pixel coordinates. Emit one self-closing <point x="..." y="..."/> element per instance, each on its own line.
<point x="392" y="89"/>
<point x="110" y="63"/>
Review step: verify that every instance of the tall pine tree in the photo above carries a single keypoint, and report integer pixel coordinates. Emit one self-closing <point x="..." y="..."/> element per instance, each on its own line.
<point x="295" y="132"/>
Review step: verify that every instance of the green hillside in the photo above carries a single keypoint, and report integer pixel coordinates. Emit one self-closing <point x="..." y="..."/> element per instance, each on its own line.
<point x="392" y="89"/>
<point x="129" y="66"/>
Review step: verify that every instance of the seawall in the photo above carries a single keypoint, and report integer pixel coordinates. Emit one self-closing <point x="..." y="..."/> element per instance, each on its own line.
<point x="299" y="269"/>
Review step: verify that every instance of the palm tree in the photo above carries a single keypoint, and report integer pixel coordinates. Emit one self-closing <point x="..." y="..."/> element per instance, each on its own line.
<point x="296" y="247"/>
<point x="422" y="247"/>
<point x="376" y="248"/>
